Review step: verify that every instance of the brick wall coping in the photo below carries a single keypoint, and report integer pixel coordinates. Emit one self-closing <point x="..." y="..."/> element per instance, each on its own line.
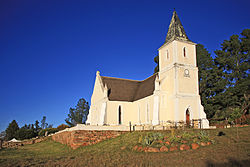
<point x="113" y="128"/>
<point x="95" y="128"/>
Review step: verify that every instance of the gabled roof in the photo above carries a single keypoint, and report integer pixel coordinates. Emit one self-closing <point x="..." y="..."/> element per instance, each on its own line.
<point x="176" y="30"/>
<point x="128" y="90"/>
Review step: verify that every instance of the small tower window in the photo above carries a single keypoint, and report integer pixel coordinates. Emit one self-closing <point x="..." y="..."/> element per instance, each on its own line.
<point x="184" y="52"/>
<point x="167" y="55"/>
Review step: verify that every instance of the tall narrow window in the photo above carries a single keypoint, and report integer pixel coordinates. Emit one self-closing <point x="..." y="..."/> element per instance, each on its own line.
<point x="167" y="55"/>
<point x="184" y="52"/>
<point x="119" y="116"/>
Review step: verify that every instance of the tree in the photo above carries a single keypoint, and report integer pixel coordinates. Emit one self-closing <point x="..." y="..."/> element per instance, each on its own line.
<point x="234" y="60"/>
<point x="11" y="130"/>
<point x="211" y="81"/>
<point x="78" y="115"/>
<point x="156" y="60"/>
<point x="44" y="125"/>
<point x="37" y="127"/>
<point x="62" y="127"/>
<point x="23" y="133"/>
<point x="50" y="126"/>
<point x="2" y="135"/>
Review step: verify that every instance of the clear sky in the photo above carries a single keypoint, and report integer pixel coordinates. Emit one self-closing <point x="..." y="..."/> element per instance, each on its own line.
<point x="50" y="50"/>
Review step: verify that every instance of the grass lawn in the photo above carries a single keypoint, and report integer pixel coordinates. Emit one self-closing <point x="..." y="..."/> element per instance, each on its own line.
<point x="228" y="150"/>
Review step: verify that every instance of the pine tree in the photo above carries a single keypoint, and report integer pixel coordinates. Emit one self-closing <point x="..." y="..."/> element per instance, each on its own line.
<point x="11" y="130"/>
<point x="37" y="127"/>
<point x="44" y="125"/>
<point x="156" y="60"/>
<point x="233" y="59"/>
<point x="78" y="115"/>
<point x="211" y="82"/>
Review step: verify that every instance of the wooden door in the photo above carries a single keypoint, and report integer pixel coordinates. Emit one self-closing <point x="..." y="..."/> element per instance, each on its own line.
<point x="187" y="117"/>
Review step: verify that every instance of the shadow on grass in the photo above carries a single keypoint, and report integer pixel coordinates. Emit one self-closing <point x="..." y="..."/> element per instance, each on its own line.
<point x="231" y="163"/>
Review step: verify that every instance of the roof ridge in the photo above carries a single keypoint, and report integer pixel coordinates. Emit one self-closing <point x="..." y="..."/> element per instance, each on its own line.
<point x="121" y="79"/>
<point x="130" y="79"/>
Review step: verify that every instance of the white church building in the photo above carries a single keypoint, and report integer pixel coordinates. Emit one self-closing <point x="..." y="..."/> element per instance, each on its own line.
<point x="172" y="94"/>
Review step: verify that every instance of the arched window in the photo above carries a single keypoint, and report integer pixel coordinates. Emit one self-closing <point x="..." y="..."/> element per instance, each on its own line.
<point x="184" y="52"/>
<point x="119" y="116"/>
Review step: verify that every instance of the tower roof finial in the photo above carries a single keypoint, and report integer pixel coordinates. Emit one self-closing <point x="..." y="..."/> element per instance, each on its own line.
<point x="176" y="30"/>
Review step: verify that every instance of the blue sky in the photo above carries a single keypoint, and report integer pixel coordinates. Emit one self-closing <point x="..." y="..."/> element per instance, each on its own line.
<point x="51" y="50"/>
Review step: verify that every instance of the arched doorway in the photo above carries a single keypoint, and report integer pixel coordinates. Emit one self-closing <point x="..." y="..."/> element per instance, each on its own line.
<point x="119" y="116"/>
<point x="187" y="118"/>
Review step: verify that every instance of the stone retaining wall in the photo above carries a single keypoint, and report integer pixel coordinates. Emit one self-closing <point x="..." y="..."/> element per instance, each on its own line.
<point x="78" y="138"/>
<point x="7" y="144"/>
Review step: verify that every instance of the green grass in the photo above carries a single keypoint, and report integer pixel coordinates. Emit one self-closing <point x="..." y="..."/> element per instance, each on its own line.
<point x="228" y="150"/>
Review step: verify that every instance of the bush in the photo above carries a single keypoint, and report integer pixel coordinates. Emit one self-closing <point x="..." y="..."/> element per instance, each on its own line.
<point x="235" y="115"/>
<point x="203" y="136"/>
<point x="175" y="140"/>
<point x="150" y="138"/>
<point x="62" y="127"/>
<point x="23" y="133"/>
<point x="49" y="130"/>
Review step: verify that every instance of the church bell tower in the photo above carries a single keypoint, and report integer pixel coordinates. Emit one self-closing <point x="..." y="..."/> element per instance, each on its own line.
<point x="178" y="75"/>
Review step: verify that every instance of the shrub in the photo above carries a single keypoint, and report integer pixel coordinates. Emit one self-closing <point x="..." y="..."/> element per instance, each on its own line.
<point x="235" y="115"/>
<point x="203" y="136"/>
<point x="23" y="133"/>
<point x="62" y="127"/>
<point x="49" y="130"/>
<point x="150" y="138"/>
<point x="174" y="139"/>
<point x="187" y="135"/>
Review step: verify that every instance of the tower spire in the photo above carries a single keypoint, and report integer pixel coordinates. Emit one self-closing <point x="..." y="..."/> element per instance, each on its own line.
<point x="176" y="30"/>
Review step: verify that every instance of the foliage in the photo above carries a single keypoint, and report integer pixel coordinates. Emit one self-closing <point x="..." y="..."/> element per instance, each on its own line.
<point x="62" y="127"/>
<point x="78" y="115"/>
<point x="233" y="60"/>
<point x="187" y="135"/>
<point x="2" y="135"/>
<point x="156" y="60"/>
<point x="235" y="115"/>
<point x="151" y="137"/>
<point x="44" y="125"/>
<point x="211" y="82"/>
<point x="204" y="136"/>
<point x="175" y="139"/>
<point x="48" y="130"/>
<point x="11" y="130"/>
<point x="23" y="133"/>
<point x="37" y="127"/>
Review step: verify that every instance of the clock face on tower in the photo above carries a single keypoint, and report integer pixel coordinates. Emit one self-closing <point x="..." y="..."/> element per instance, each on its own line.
<point x="186" y="73"/>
